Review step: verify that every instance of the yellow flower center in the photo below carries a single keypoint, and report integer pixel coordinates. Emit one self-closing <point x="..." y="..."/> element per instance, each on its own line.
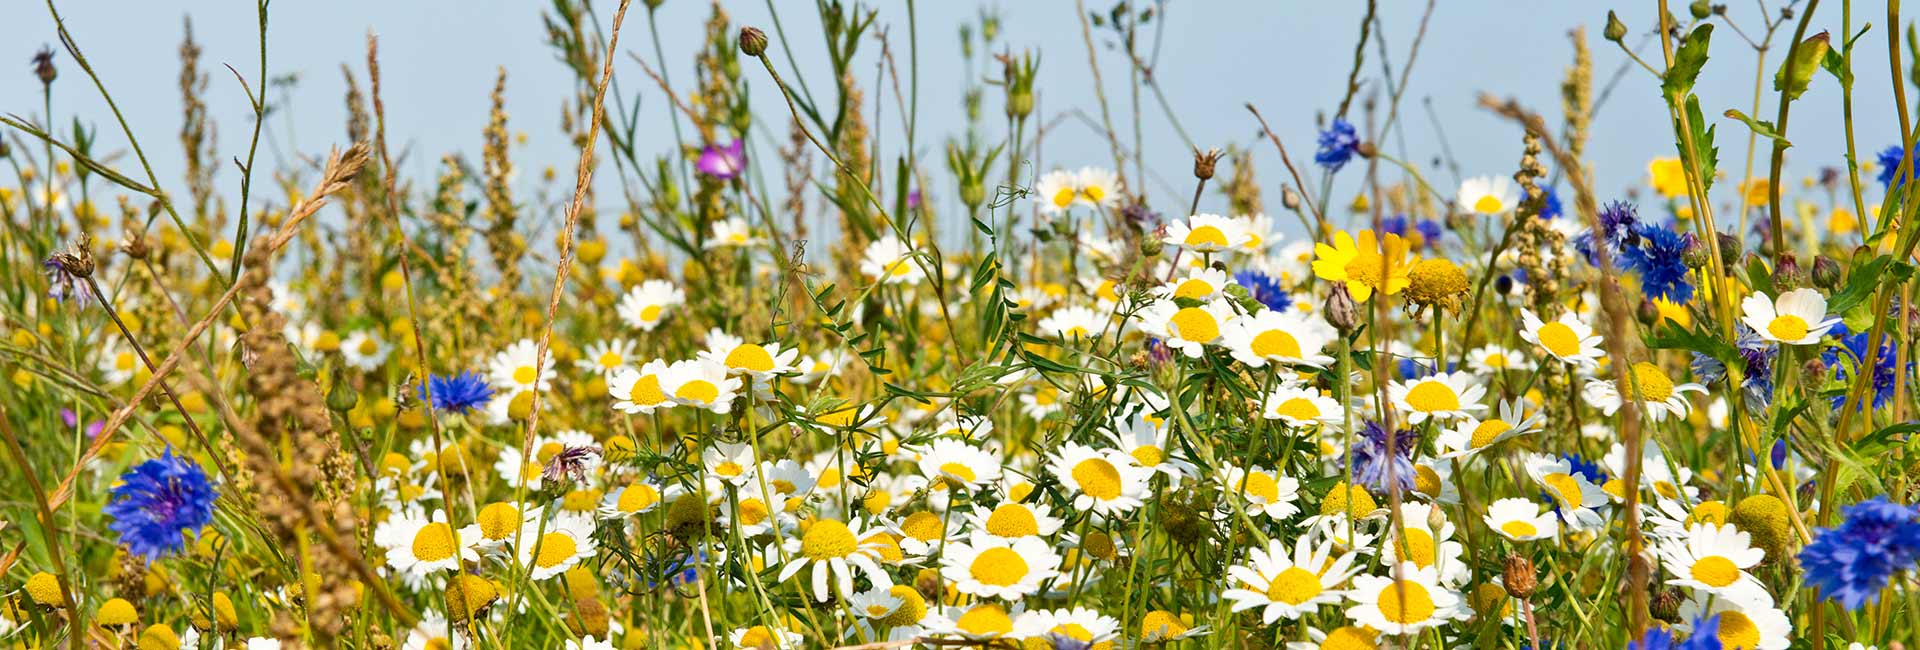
<point x="750" y="357"/>
<point x="1206" y="236"/>
<point x="923" y="526"/>
<point x="555" y="548"/>
<point x="525" y="375"/>
<point x="646" y="391"/>
<point x="1365" y="268"/>
<point x="369" y="346"/>
<point x="1063" y="198"/>
<point x="1489" y="204"/>
<point x="610" y="359"/>
<point x="1496" y="361"/>
<point x="651" y="313"/>
<point x="1195" y="324"/>
<point x="828" y="539"/>
<point x="638" y="497"/>
<point x="752" y="511"/>
<point x="1160" y="624"/>
<point x="1426" y="481"/>
<point x="1787" y="327"/>
<point x="1566" y="488"/>
<point x="1558" y="339"/>
<point x="1418" y="547"/>
<point x="698" y="390"/>
<point x="1276" y="343"/>
<point x="1097" y="478"/>
<point x="1148" y="455"/>
<point x="433" y="543"/>
<point x="1715" y="571"/>
<point x="911" y="609"/>
<point x="1013" y="520"/>
<point x="1654" y="385"/>
<point x="728" y="468"/>
<point x="1433" y="397"/>
<point x="959" y="471"/>
<point x="987" y="619"/>
<point x="498" y="520"/>
<point x="1094" y="192"/>
<point x="998" y="566"/>
<point x="1519" y="528"/>
<point x="1294" y="586"/>
<point x="1298" y="408"/>
<point x="1261" y="485"/>
<point x="1348" y="638"/>
<point x="1708" y="512"/>
<point x="1194" y="288"/>
<point x="758" y="636"/>
<point x="123" y="361"/>
<point x="1406" y="602"/>
<point x="1737" y="631"/>
<point x="1487" y="433"/>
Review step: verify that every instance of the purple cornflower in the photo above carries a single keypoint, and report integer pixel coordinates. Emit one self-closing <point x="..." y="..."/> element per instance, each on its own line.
<point x="1853" y="562"/>
<point x="1705" y="636"/>
<point x="460" y="393"/>
<point x="723" y="163"/>
<point x="1618" y="222"/>
<point x="1852" y="352"/>
<point x="158" y="502"/>
<point x="1659" y="261"/>
<point x="1338" y="143"/>
<point x="1374" y="462"/>
<point x="1756" y="373"/>
<point x="1889" y="164"/>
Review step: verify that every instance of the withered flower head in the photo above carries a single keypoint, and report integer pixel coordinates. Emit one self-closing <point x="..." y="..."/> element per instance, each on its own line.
<point x="43" y="65"/>
<point x="1204" y="161"/>
<point x="753" y="42"/>
<point x="573" y="461"/>
<point x="69" y="271"/>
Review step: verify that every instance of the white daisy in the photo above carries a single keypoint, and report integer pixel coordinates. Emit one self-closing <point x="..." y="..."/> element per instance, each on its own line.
<point x="1097" y="187"/>
<point x="364" y="350"/>
<point x="1106" y="482"/>
<point x="420" y="544"/>
<point x="1279" y="337"/>
<point x="1521" y="520"/>
<point x="1567" y="339"/>
<point x="1057" y="191"/>
<point x="1470" y="436"/>
<point x="994" y="567"/>
<point x="1575" y="496"/>
<point x="1288" y="586"/>
<point x="700" y="383"/>
<point x="1488" y="195"/>
<point x="646" y="305"/>
<point x="957" y="462"/>
<point x="1206" y="233"/>
<point x="835" y="552"/>
<point x="1301" y="406"/>
<point x="1445" y="396"/>
<point x="1797" y="317"/>
<point x="513" y="370"/>
<point x="889" y="260"/>
<point x="1072" y="323"/>
<point x="1659" y="397"/>
<point x="1743" y="625"/>
<point x="1265" y="490"/>
<point x="606" y="357"/>
<point x="1014" y="520"/>
<point x="1409" y="600"/>
<point x="640" y="391"/>
<point x="1187" y="329"/>
<point x="730" y="232"/>
<point x="1715" y="559"/>
<point x="739" y="357"/>
<point x="565" y="542"/>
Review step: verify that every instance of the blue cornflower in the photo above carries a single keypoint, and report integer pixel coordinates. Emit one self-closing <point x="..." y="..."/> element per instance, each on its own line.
<point x="1757" y="371"/>
<point x="1550" y="204"/>
<point x="1265" y="289"/>
<point x="1431" y="230"/>
<point x="460" y="393"/>
<point x="1659" y="261"/>
<point x="1372" y="459"/>
<point x="158" y="502"/>
<point x="1705" y="636"/>
<point x="1851" y="352"/>
<point x="1853" y="562"/>
<point x="1396" y="224"/>
<point x="1619" y="222"/>
<point x="1338" y="143"/>
<point x="1890" y="163"/>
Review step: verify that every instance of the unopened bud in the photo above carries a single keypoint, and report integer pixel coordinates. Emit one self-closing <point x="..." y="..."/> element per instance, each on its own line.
<point x="1665" y="605"/>
<point x="1615" y="30"/>
<point x="1365" y="149"/>
<point x="753" y="42"/>
<point x="1813" y="372"/>
<point x="1151" y="246"/>
<point x="43" y="65"/>
<point x="1787" y="275"/>
<point x="1729" y="246"/>
<point x="1519" y="577"/>
<point x="1647" y="313"/>
<point x="1826" y="273"/>
<point x="1695" y="257"/>
<point x="1701" y="9"/>
<point x="1289" y="198"/>
<point x="341" y="397"/>
<point x="1342" y="312"/>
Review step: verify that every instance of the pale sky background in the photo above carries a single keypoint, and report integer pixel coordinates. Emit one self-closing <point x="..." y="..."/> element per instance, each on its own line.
<point x="1288" y="57"/>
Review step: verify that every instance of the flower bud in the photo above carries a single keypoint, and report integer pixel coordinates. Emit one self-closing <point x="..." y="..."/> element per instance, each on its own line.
<point x="1813" y="372"/>
<point x="1701" y="9"/>
<point x="43" y="65"/>
<point x="1151" y="246"/>
<point x="1342" y="312"/>
<point x="1729" y="246"/>
<point x="1519" y="577"/>
<point x="1615" y="30"/>
<point x="1665" y="605"/>
<point x="341" y="397"/>
<point x="1647" y="313"/>
<point x="1289" y="198"/>
<point x="1787" y="275"/>
<point x="753" y="42"/>
<point x="1826" y="273"/>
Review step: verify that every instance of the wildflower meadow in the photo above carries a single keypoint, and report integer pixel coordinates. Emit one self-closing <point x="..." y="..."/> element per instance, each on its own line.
<point x="778" y="364"/>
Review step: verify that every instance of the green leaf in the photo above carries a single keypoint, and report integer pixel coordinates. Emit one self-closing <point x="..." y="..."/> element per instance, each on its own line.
<point x="1758" y="276"/>
<point x="1796" y="73"/>
<point x="1687" y="61"/>
<point x="1760" y="128"/>
<point x="1704" y="153"/>
<point x="1668" y="336"/>
<point x="1862" y="279"/>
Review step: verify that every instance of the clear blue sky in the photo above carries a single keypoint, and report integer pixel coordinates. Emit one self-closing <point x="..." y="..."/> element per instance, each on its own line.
<point x="1289" y="58"/>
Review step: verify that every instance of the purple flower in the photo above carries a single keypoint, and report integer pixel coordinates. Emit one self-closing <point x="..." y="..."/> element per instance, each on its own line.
<point x="158" y="502"/>
<point x="723" y="164"/>
<point x="1374" y="462"/>
<point x="1853" y="562"/>
<point x="1337" y="145"/>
